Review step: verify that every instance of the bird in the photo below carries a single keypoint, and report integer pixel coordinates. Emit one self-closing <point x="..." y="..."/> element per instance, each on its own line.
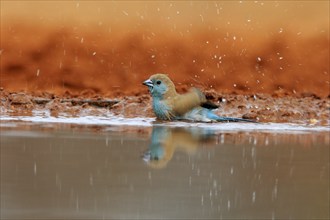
<point x="168" y="105"/>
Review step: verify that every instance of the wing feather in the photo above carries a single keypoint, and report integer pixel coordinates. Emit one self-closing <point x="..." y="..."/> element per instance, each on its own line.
<point x="185" y="102"/>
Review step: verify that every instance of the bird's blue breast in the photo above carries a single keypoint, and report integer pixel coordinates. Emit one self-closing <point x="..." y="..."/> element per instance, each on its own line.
<point x="161" y="109"/>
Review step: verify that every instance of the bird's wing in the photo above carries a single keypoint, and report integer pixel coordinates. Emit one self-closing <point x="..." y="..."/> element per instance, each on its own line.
<point x="181" y="104"/>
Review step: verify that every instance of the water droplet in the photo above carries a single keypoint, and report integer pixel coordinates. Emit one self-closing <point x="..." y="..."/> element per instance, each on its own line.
<point x="202" y="18"/>
<point x="214" y="184"/>
<point x="91" y="180"/>
<point x="35" y="168"/>
<point x="254" y="197"/>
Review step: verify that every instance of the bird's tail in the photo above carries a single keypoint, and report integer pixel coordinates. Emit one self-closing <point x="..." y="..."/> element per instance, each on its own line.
<point x="228" y="119"/>
<point x="218" y="118"/>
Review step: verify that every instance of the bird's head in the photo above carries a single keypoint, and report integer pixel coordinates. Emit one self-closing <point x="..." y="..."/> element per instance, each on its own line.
<point x="160" y="86"/>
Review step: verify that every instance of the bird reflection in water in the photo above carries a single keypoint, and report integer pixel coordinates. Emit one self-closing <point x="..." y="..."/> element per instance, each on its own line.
<point x="166" y="140"/>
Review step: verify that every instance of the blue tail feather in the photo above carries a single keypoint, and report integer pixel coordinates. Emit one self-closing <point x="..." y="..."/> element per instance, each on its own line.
<point x="227" y="119"/>
<point x="218" y="118"/>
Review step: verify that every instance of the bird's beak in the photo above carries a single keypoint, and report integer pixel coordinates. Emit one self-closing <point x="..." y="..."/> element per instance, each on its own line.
<point x="148" y="83"/>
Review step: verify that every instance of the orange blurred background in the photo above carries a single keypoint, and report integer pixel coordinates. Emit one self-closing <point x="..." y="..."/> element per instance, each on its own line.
<point x="109" y="47"/>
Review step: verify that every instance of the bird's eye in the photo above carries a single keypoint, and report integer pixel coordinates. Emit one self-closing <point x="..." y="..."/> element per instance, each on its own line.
<point x="158" y="82"/>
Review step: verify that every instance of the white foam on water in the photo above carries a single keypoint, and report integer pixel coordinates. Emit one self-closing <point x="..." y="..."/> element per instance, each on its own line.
<point x="111" y="120"/>
<point x="83" y="120"/>
<point x="262" y="127"/>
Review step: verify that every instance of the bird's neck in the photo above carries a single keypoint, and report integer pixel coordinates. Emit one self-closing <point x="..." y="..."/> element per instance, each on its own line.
<point x="170" y="94"/>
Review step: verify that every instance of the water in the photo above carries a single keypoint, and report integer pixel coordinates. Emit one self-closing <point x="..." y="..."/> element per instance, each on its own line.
<point x="86" y="171"/>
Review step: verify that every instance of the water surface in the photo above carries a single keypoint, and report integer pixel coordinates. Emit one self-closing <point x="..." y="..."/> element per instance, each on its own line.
<point x="159" y="171"/>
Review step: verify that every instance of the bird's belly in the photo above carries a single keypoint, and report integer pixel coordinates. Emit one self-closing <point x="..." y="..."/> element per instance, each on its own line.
<point x="197" y="114"/>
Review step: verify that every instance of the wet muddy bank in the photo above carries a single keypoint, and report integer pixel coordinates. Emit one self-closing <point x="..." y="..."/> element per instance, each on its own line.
<point x="277" y="108"/>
